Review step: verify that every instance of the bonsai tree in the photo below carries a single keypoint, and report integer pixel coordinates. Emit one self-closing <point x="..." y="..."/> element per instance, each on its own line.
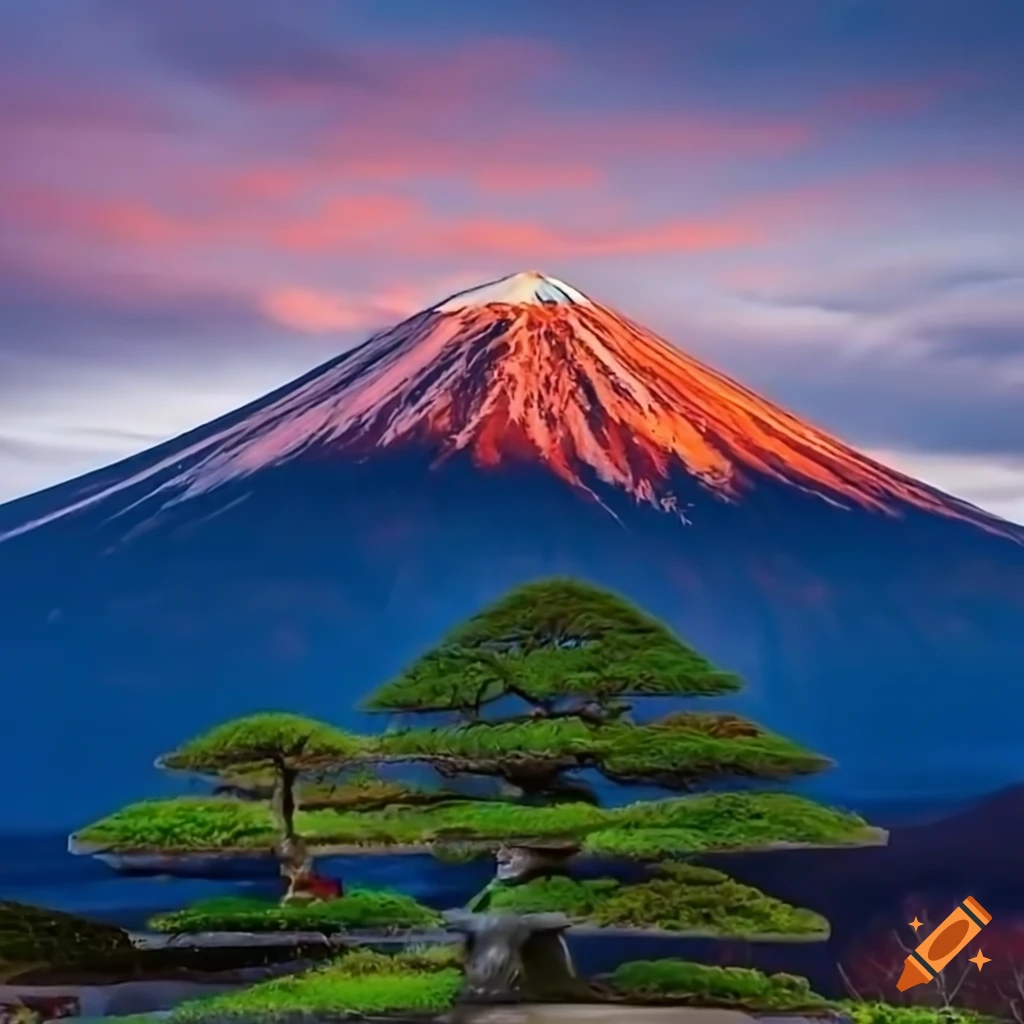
<point x="277" y="745"/>
<point x="534" y="691"/>
<point x="541" y="685"/>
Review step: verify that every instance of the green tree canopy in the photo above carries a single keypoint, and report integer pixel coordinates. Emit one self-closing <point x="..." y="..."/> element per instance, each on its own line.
<point x="682" y="751"/>
<point x="573" y="656"/>
<point x="286" y="745"/>
<point x="548" y="641"/>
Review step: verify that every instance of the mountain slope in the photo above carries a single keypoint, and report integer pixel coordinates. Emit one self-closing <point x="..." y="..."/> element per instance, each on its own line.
<point x="530" y="368"/>
<point x="299" y="550"/>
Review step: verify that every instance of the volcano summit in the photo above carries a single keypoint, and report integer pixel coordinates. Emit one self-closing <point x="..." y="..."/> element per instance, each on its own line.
<point x="301" y="549"/>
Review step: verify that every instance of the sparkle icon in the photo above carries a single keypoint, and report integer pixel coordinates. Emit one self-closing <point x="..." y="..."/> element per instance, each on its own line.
<point x="925" y="963"/>
<point x="980" y="959"/>
<point x="915" y="924"/>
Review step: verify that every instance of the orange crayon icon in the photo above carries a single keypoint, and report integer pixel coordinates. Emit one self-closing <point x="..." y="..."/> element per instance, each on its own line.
<point x="943" y="944"/>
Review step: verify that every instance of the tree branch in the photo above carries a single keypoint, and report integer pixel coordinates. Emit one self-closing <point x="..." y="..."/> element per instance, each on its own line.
<point x="849" y="984"/>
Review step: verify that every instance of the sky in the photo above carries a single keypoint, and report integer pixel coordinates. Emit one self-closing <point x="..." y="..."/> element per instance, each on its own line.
<point x="824" y="200"/>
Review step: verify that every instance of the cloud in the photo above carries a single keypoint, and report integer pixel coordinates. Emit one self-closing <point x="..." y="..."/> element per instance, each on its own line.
<point x="383" y="224"/>
<point x="995" y="484"/>
<point x="989" y="342"/>
<point x="347" y="222"/>
<point x="318" y="312"/>
<point x="32" y="102"/>
<point x="242" y="42"/>
<point x="53" y="311"/>
<point x="264" y="215"/>
<point x="875" y="379"/>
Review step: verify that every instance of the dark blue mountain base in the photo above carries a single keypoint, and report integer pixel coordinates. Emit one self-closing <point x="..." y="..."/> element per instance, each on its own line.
<point x="894" y="644"/>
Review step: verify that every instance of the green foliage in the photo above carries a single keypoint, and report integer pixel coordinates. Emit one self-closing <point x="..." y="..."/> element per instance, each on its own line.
<point x="685" y="898"/>
<point x="886" y="1013"/>
<point x="361" y="982"/>
<point x="552" y="639"/>
<point x="458" y="853"/>
<point x="357" y="910"/>
<point x="677" y="752"/>
<point x="687" y="749"/>
<point x="210" y="824"/>
<point x="481" y="741"/>
<point x="273" y="738"/>
<point x="692" y="824"/>
<point x="557" y="894"/>
<point x="357" y="790"/>
<point x="724" y="821"/>
<point x="35" y="934"/>
<point x="357" y="963"/>
<point x="194" y="824"/>
<point x="701" y="985"/>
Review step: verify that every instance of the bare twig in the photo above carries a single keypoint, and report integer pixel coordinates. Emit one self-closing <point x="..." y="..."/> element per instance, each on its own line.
<point x="850" y="987"/>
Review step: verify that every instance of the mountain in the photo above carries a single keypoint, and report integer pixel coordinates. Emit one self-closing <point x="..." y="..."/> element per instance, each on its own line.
<point x="299" y="550"/>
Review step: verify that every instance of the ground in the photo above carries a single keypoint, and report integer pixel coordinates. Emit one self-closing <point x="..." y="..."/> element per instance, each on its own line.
<point x="426" y="982"/>
<point x="363" y="982"/>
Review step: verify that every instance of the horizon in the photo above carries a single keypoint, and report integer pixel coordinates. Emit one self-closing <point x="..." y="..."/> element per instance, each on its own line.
<point x="201" y="206"/>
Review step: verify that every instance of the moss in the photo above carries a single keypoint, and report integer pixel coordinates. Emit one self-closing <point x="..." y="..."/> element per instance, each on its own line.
<point x="540" y="738"/>
<point x="686" y="750"/>
<point x="560" y="894"/>
<point x="357" y="910"/>
<point x="35" y="935"/>
<point x="549" y="639"/>
<point x="183" y="824"/>
<point x="358" y="791"/>
<point x="885" y="1013"/>
<point x="674" y="752"/>
<point x="362" y="982"/>
<point x="210" y="824"/>
<point x="710" y="821"/>
<point x="458" y="853"/>
<point x="723" y="821"/>
<point x="685" y="898"/>
<point x="681" y="981"/>
<point x="266" y="738"/>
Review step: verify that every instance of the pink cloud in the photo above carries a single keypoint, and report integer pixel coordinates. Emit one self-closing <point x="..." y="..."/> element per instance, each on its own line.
<point x="34" y="102"/>
<point x="348" y="221"/>
<point x="130" y="221"/>
<point x="352" y="224"/>
<point x="532" y="151"/>
<point x="482" y="115"/>
<point x="318" y="312"/>
<point x="528" y="240"/>
<point x="385" y="224"/>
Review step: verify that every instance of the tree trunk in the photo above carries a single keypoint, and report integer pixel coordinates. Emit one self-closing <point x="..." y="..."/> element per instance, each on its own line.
<point x="282" y="803"/>
<point x="520" y="862"/>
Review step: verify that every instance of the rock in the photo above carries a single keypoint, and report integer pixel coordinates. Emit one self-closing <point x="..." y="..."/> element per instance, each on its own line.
<point x="234" y="864"/>
<point x="519" y="862"/>
<point x="513" y="958"/>
<point x="34" y="936"/>
<point x="38" y="1008"/>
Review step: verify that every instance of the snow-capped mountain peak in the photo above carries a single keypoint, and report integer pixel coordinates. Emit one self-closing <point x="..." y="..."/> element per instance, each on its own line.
<point x="528" y="287"/>
<point x="528" y="369"/>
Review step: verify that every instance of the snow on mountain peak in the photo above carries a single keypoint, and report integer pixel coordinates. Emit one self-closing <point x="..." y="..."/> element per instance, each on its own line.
<point x="526" y="288"/>
<point x="528" y="368"/>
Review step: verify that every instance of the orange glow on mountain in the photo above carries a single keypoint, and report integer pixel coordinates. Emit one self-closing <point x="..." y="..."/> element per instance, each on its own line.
<point x="529" y="369"/>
